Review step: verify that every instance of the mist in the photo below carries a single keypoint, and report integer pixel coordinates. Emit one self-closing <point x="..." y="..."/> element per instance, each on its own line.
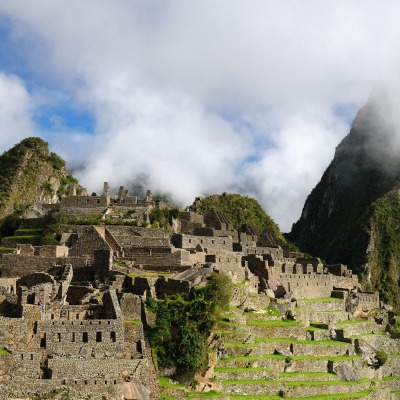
<point x="198" y="97"/>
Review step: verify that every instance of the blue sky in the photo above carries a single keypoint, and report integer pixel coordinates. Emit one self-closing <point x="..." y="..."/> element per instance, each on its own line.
<point x="201" y="96"/>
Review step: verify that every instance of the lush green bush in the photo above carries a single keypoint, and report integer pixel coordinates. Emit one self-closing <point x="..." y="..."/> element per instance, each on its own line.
<point x="381" y="356"/>
<point x="239" y="210"/>
<point x="163" y="216"/>
<point x="183" y="323"/>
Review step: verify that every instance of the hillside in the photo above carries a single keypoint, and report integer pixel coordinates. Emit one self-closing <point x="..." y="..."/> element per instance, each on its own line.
<point x="30" y="174"/>
<point x="239" y="210"/>
<point x="351" y="216"/>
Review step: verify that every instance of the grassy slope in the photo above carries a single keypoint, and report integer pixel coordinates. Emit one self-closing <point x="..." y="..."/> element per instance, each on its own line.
<point x="27" y="171"/>
<point x="239" y="210"/>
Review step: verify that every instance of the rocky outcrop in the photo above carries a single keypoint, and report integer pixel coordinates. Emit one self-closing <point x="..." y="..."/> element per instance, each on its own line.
<point x="31" y="174"/>
<point x="351" y="216"/>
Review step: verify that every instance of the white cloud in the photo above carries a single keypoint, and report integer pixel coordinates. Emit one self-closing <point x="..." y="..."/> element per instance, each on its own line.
<point x="187" y="91"/>
<point x="15" y="111"/>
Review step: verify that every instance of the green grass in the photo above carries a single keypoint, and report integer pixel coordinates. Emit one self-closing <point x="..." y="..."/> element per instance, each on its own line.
<point x="284" y="323"/>
<point x="210" y="394"/>
<point x="352" y="321"/>
<point x="255" y="396"/>
<point x="164" y="382"/>
<point x="6" y="249"/>
<point x="253" y="358"/>
<point x="241" y="369"/>
<point x="164" y="396"/>
<point x="133" y="322"/>
<point x="23" y="237"/>
<point x="327" y="358"/>
<point x="291" y="383"/>
<point x="326" y="342"/>
<point x="281" y="357"/>
<point x="355" y="395"/>
<point x="321" y="300"/>
<point x="326" y="374"/>
<point x="29" y="230"/>
<point x="391" y="378"/>
<point x="4" y="352"/>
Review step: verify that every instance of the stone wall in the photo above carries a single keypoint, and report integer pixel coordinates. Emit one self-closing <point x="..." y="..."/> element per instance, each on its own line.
<point x="92" y="239"/>
<point x="83" y="203"/>
<point x="120" y="230"/>
<point x="208" y="242"/>
<point x="227" y="262"/>
<point x="16" y="265"/>
<point x="82" y="338"/>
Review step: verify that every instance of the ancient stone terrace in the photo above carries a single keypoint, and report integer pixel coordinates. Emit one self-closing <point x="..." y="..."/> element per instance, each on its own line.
<point x="105" y="205"/>
<point x="305" y="278"/>
<point x="75" y="337"/>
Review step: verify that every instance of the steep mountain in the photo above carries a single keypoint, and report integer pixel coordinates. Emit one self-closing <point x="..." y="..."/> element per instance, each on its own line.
<point x="30" y="174"/>
<point x="352" y="216"/>
<point x="239" y="210"/>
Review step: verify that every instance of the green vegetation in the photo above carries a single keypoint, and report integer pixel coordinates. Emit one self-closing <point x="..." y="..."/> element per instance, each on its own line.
<point x="27" y="171"/>
<point x="384" y="260"/>
<point x="239" y="210"/>
<point x="4" y="352"/>
<point x="281" y="323"/>
<point x="382" y="357"/>
<point x="321" y="300"/>
<point x="162" y="217"/>
<point x="355" y="395"/>
<point x="165" y="382"/>
<point x="205" y="395"/>
<point x="133" y="322"/>
<point x="183" y="324"/>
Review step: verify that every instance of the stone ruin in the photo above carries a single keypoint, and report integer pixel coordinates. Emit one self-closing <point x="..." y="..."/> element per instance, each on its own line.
<point x="71" y="316"/>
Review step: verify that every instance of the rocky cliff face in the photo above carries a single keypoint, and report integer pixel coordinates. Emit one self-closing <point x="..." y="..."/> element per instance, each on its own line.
<point x="352" y="216"/>
<point x="30" y="174"/>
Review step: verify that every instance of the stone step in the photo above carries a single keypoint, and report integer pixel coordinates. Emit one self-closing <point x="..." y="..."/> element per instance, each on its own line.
<point x="240" y="373"/>
<point x="355" y="328"/>
<point x="322" y="348"/>
<point x="290" y="332"/>
<point x="322" y="305"/>
<point x="236" y="336"/>
<point x="328" y="317"/>
<point x="293" y="388"/>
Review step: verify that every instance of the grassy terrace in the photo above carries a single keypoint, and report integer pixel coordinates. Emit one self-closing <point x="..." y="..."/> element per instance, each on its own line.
<point x="321" y="300"/>
<point x="28" y="231"/>
<point x="4" y="352"/>
<point x="213" y="394"/>
<point x="391" y="378"/>
<point x="205" y="395"/>
<point x="295" y="341"/>
<point x="133" y="322"/>
<point x="23" y="237"/>
<point x="352" y="321"/>
<point x="281" y="357"/>
<point x="6" y="249"/>
<point x="164" y="382"/>
<point x="355" y="395"/>
<point x="277" y="323"/>
<point x="309" y="374"/>
<point x="241" y="369"/>
<point x="292" y="383"/>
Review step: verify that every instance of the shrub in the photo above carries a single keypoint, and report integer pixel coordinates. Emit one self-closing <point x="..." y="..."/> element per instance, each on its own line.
<point x="183" y="324"/>
<point x="382" y="357"/>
